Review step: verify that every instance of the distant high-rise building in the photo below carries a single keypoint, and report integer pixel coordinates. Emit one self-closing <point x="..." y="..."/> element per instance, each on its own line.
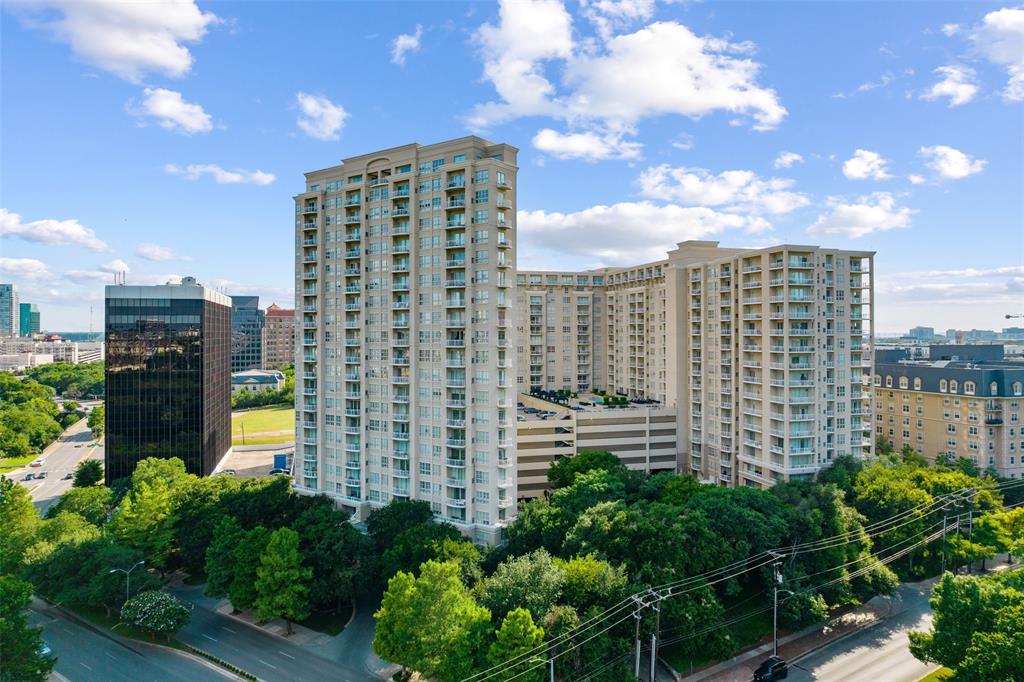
<point x="246" y="333"/>
<point x="278" y="337"/>
<point x="922" y="333"/>
<point x="168" y="376"/>
<point x="10" y="311"/>
<point x="404" y="271"/>
<point x="29" y="319"/>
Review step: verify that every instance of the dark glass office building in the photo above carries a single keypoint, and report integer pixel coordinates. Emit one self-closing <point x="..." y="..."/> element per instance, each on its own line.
<point x="246" y="333"/>
<point x="168" y="376"/>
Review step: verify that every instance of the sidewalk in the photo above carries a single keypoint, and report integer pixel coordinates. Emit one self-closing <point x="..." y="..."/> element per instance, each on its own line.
<point x="794" y="646"/>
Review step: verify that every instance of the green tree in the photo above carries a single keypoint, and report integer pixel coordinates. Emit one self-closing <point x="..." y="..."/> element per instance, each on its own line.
<point x="88" y="473"/>
<point x="563" y="471"/>
<point x="997" y="654"/>
<point x="93" y="504"/>
<point x="531" y="581"/>
<point x="465" y="554"/>
<point x="158" y="613"/>
<point x="19" y="523"/>
<point x="220" y="557"/>
<point x="588" y="582"/>
<point x="538" y="525"/>
<point x="152" y="470"/>
<point x="413" y="546"/>
<point x="20" y="643"/>
<point x="842" y="473"/>
<point x="97" y="421"/>
<point x="282" y="582"/>
<point x="384" y="524"/>
<point x="679" y="490"/>
<point x="201" y="505"/>
<point x="432" y="624"/>
<point x="969" y="614"/>
<point x="517" y="636"/>
<point x="247" y="562"/>
<point x="145" y="521"/>
<point x="338" y="554"/>
<point x="82" y="380"/>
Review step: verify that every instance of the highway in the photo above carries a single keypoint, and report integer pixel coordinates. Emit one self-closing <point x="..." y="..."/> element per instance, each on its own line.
<point x="880" y="652"/>
<point x="60" y="458"/>
<point x="85" y="653"/>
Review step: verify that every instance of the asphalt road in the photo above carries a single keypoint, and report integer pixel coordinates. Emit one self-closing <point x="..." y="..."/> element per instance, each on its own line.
<point x="60" y="458"/>
<point x="85" y="654"/>
<point x="879" y="653"/>
<point x="269" y="657"/>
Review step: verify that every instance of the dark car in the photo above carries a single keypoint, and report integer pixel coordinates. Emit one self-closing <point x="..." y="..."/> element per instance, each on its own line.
<point x="68" y="476"/>
<point x="41" y="474"/>
<point x="29" y="476"/>
<point x="773" y="668"/>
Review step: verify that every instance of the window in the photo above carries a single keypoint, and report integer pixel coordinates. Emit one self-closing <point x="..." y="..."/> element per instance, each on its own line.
<point x="888" y="383"/>
<point x="953" y="386"/>
<point x="969" y="387"/>
<point x="917" y="383"/>
<point x="943" y="385"/>
<point x="904" y="382"/>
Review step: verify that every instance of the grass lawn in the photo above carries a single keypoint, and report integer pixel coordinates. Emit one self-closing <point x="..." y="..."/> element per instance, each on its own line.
<point x="265" y="425"/>
<point x="939" y="675"/>
<point x="11" y="463"/>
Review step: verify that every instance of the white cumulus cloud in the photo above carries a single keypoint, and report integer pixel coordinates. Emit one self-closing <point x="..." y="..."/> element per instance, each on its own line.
<point x="589" y="146"/>
<point x="50" y="232"/>
<point x="24" y="269"/>
<point x="665" y="68"/>
<point x="319" y="117"/>
<point x="157" y="252"/>
<point x="866" y="165"/>
<point x="194" y="171"/>
<point x="950" y="163"/>
<point x="1000" y="38"/>
<point x="787" y="159"/>
<point x="731" y="190"/>
<point x="128" y="39"/>
<point x="172" y="112"/>
<point x="876" y="212"/>
<point x="916" y="179"/>
<point x="405" y="43"/>
<point x="958" y="84"/>
<point x="625" y="233"/>
<point x="950" y="30"/>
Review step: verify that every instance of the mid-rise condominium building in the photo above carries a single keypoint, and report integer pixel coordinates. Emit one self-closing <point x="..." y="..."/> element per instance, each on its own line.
<point x="963" y="401"/>
<point x="168" y="376"/>
<point x="760" y="352"/>
<point x="10" y="311"/>
<point x="246" y="333"/>
<point x="278" y="337"/>
<point x="30" y="320"/>
<point x="405" y="265"/>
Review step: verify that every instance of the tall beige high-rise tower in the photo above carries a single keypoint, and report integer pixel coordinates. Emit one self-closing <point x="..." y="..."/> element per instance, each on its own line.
<point x="405" y="264"/>
<point x="763" y="353"/>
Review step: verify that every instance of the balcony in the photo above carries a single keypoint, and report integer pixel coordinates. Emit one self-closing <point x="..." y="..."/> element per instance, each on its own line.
<point x="400" y="435"/>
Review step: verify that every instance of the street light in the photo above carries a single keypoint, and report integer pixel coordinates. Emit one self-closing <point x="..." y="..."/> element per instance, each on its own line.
<point x="127" y="577"/>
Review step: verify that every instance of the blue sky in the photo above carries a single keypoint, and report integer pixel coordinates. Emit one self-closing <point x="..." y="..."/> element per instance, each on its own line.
<point x="169" y="140"/>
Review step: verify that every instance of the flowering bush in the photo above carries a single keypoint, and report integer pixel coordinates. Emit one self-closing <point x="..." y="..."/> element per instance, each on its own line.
<point x="156" y="612"/>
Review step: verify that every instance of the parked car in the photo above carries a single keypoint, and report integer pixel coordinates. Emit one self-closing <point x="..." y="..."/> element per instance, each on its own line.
<point x="227" y="472"/>
<point x="277" y="472"/>
<point x="36" y="463"/>
<point x="773" y="668"/>
<point x="530" y="410"/>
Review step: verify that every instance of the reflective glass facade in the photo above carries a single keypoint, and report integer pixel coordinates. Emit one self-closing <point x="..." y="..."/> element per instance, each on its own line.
<point x="246" y="333"/>
<point x="168" y="382"/>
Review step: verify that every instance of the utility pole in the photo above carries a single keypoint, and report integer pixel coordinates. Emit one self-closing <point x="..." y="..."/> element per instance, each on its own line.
<point x="551" y="667"/>
<point x="654" y="636"/>
<point x="636" y="616"/>
<point x="776" y="581"/>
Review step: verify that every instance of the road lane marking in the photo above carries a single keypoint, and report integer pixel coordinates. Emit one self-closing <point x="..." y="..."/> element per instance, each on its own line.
<point x="266" y="664"/>
<point x="109" y="655"/>
<point x="209" y="638"/>
<point x="84" y="665"/>
<point x="228" y="629"/>
<point x="66" y="630"/>
<point x="284" y="654"/>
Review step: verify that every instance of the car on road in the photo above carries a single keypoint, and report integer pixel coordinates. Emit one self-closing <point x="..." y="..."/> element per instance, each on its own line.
<point x="41" y="474"/>
<point x="79" y="445"/>
<point x="29" y="476"/>
<point x="68" y="476"/>
<point x="772" y="668"/>
<point x="36" y="463"/>
<point x="44" y="649"/>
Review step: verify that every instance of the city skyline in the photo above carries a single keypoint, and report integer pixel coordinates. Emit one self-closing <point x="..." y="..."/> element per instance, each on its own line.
<point x="891" y="141"/>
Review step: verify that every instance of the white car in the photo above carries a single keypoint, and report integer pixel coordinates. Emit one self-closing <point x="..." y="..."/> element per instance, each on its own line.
<point x="36" y="463"/>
